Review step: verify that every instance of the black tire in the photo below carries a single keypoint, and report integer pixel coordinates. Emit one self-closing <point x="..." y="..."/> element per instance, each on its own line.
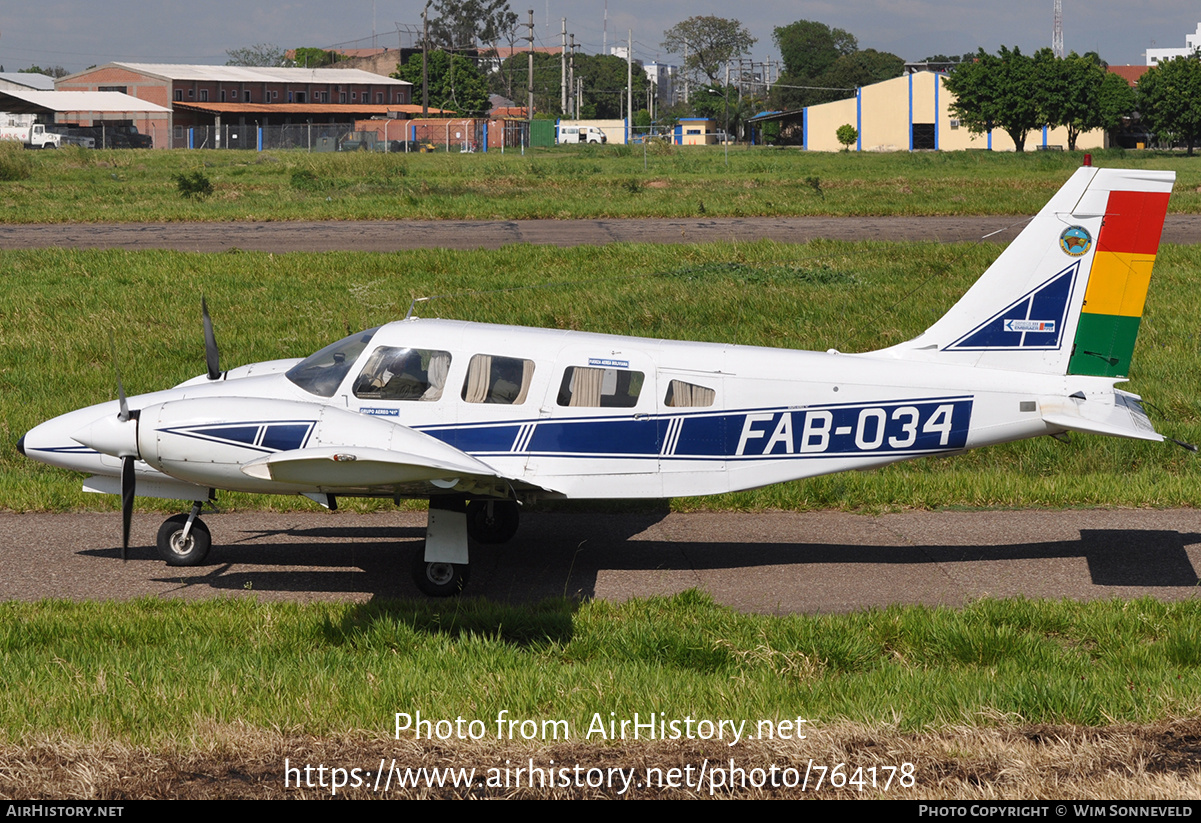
<point x="175" y="551"/>
<point x="495" y="526"/>
<point x="439" y="579"/>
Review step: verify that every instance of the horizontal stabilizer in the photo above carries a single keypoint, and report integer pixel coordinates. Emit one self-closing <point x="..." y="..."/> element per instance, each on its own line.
<point x="1124" y="418"/>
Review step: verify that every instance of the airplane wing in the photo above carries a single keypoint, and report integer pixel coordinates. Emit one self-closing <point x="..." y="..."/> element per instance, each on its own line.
<point x="424" y="463"/>
<point x="332" y="466"/>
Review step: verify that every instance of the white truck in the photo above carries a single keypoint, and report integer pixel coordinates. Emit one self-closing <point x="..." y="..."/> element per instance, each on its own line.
<point x="581" y="134"/>
<point x="33" y="136"/>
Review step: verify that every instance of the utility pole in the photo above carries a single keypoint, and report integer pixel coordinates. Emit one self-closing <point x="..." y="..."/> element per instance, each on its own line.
<point x="572" y="104"/>
<point x="1057" y="31"/>
<point x="629" y="80"/>
<point x="425" y="61"/>
<point x="530" y="110"/>
<point x="563" y="71"/>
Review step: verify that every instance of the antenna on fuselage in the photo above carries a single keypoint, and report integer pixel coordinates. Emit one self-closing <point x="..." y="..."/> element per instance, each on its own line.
<point x="417" y="300"/>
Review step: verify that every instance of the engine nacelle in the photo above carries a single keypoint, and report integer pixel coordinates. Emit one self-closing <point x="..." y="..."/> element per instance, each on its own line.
<point x="287" y="446"/>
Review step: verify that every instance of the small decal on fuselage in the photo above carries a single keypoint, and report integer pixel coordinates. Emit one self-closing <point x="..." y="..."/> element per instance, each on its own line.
<point x="1030" y="325"/>
<point x="379" y="412"/>
<point x="1075" y="241"/>
<point x="612" y="364"/>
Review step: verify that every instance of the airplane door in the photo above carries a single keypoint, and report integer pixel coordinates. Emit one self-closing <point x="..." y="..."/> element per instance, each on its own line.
<point x="598" y="434"/>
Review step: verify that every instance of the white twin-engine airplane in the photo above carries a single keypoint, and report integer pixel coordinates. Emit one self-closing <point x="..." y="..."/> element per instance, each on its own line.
<point x="480" y="419"/>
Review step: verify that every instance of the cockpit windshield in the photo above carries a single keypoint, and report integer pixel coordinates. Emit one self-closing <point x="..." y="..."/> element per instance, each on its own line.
<point x="323" y="372"/>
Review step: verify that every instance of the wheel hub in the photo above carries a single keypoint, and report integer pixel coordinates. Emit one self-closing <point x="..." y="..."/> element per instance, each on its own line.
<point x="440" y="573"/>
<point x="180" y="545"/>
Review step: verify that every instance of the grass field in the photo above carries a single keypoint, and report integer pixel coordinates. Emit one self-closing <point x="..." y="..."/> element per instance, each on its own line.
<point x="1003" y="699"/>
<point x="127" y="671"/>
<point x="1011" y="699"/>
<point x="77" y="185"/>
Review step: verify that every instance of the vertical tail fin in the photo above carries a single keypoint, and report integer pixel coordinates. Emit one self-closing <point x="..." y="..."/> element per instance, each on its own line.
<point x="1066" y="296"/>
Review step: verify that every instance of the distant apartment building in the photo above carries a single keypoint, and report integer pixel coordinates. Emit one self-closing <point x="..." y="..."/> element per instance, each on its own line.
<point x="1192" y="45"/>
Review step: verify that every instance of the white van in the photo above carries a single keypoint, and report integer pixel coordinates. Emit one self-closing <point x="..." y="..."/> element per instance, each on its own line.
<point x="581" y="134"/>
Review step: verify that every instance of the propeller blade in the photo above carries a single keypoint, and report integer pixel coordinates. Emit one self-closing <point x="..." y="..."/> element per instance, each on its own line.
<point x="128" y="483"/>
<point x="123" y="414"/>
<point x="211" y="357"/>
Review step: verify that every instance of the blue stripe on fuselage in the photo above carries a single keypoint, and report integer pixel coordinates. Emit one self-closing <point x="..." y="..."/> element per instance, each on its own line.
<point x="919" y="426"/>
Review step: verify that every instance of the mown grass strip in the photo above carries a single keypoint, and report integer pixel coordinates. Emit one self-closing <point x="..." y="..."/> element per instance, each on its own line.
<point x="153" y="671"/>
<point x="77" y="185"/>
<point x="59" y="307"/>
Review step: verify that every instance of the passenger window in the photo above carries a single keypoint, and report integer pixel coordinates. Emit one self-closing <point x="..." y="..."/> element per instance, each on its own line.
<point x="681" y="394"/>
<point x="494" y="379"/>
<point x="395" y="373"/>
<point x="600" y="388"/>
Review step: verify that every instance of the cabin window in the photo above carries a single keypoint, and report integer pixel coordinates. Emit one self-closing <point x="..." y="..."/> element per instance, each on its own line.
<point x="323" y="372"/>
<point x="501" y="380"/>
<point x="600" y="388"/>
<point x="394" y="373"/>
<point x="681" y="394"/>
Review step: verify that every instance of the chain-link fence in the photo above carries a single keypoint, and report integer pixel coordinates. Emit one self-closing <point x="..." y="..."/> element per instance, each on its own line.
<point x="310" y="136"/>
<point x="466" y="135"/>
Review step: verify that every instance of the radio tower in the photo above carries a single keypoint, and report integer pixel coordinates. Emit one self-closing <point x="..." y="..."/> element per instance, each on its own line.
<point x="1057" y="36"/>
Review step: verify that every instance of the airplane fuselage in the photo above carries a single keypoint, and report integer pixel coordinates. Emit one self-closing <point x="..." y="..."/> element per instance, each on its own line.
<point x="667" y="418"/>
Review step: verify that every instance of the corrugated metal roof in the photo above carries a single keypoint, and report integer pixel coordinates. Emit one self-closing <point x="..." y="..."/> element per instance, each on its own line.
<point x="255" y="74"/>
<point x="80" y="101"/>
<point x="32" y="80"/>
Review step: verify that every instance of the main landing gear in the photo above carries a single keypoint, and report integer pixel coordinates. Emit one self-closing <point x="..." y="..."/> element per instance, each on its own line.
<point x="183" y="539"/>
<point x="440" y="567"/>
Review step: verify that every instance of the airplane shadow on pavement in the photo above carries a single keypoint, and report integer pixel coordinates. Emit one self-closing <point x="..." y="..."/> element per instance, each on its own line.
<point x="585" y="556"/>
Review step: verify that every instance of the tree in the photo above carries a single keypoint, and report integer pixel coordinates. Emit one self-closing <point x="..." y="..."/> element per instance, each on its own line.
<point x="1117" y="101"/>
<point x="997" y="91"/>
<point x="260" y="54"/>
<point x="1069" y="93"/>
<point x="455" y="82"/>
<point x="49" y="71"/>
<point x="808" y="48"/>
<point x="950" y="61"/>
<point x="462" y="24"/>
<point x="513" y="80"/>
<point x="707" y="44"/>
<point x="604" y="77"/>
<point x="838" y="81"/>
<point x="308" y="57"/>
<point x="847" y="135"/>
<point x="1169" y="99"/>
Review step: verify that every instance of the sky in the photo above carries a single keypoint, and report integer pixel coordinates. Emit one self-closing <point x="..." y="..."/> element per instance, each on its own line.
<point x="76" y="34"/>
